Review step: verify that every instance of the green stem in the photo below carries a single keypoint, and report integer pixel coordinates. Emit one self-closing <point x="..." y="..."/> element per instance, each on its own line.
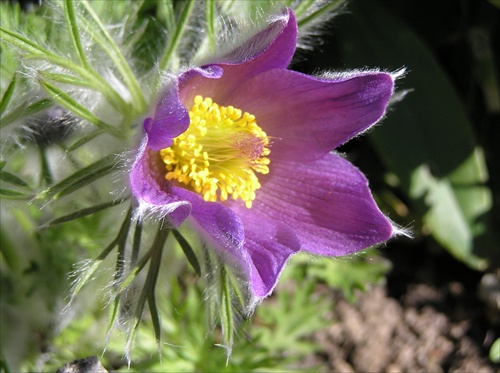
<point x="8" y="94"/>
<point x="211" y="24"/>
<point x="121" y="241"/>
<point x="150" y="283"/>
<point x="37" y="52"/>
<point x="83" y="212"/>
<point x="176" y="38"/>
<point x="46" y="175"/>
<point x="120" y="62"/>
<point x="71" y="104"/>
<point x="330" y="6"/>
<point x="69" y="12"/>
<point x="137" y="242"/>
<point x="227" y="319"/>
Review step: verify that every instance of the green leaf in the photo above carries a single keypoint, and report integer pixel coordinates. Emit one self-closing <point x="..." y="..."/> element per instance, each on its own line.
<point x="24" y="43"/>
<point x="83" y="212"/>
<point x="80" y="178"/>
<point x="14" y="194"/>
<point x="150" y="283"/>
<point x="84" y="277"/>
<point x="22" y="111"/>
<point x="12" y="179"/>
<point x="125" y="283"/>
<point x="114" y="52"/>
<point x="294" y="313"/>
<point x="239" y="298"/>
<point x="303" y="6"/>
<point x="175" y="39"/>
<point x="348" y="274"/>
<point x="7" y="95"/>
<point x="69" y="13"/>
<point x="495" y="351"/>
<point x="166" y="12"/>
<point x="9" y="251"/>
<point x="212" y="304"/>
<point x="324" y="10"/>
<point x="155" y="319"/>
<point x="114" y="311"/>
<point x="210" y="10"/>
<point x="84" y="140"/>
<point x="85" y="273"/>
<point x="35" y="51"/>
<point x="446" y="216"/>
<point x="188" y="251"/>
<point x="66" y="79"/>
<point x="147" y="35"/>
<point x="427" y="140"/>
<point x="136" y="245"/>
<point x="226" y="311"/>
<point x="69" y="103"/>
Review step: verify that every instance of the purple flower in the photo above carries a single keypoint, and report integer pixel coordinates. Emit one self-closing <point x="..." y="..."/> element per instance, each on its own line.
<point x="241" y="147"/>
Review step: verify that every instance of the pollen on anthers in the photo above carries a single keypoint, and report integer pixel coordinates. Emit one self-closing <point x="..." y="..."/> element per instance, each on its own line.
<point x="219" y="154"/>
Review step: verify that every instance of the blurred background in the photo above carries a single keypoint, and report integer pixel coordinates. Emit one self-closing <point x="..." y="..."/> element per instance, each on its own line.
<point x="431" y="303"/>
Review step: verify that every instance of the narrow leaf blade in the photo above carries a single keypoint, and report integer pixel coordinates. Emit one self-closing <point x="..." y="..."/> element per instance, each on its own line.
<point x="188" y="251"/>
<point x="71" y="104"/>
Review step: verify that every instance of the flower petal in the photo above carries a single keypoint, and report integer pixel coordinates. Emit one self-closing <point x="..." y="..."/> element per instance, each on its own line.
<point x="220" y="226"/>
<point x="170" y="119"/>
<point x="152" y="191"/>
<point x="260" y="248"/>
<point x="308" y="117"/>
<point x="270" y="49"/>
<point x="270" y="244"/>
<point x="328" y="202"/>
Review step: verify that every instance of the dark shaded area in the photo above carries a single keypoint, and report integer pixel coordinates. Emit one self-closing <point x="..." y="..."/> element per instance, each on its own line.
<point x="432" y="315"/>
<point x="26" y="4"/>
<point x="432" y="126"/>
<point x="51" y="127"/>
<point x="88" y="365"/>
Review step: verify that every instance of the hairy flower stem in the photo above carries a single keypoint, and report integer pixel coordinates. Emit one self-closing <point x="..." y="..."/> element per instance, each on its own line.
<point x="114" y="52"/>
<point x="148" y="290"/>
<point x="136" y="243"/>
<point x="46" y="175"/>
<point x="121" y="241"/>
<point x="166" y="58"/>
<point x="227" y="318"/>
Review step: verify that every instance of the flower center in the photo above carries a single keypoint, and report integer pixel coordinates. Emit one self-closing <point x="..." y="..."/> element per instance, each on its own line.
<point x="219" y="153"/>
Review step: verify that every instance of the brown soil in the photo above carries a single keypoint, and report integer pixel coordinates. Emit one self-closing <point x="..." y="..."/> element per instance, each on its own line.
<point x="424" y="320"/>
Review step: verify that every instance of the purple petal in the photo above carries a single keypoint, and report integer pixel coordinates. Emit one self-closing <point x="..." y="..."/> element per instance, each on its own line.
<point x="308" y="117"/>
<point x="152" y="191"/>
<point x="328" y="203"/>
<point x="270" y="244"/>
<point x="271" y="48"/>
<point x="220" y="226"/>
<point x="260" y="248"/>
<point x="170" y="119"/>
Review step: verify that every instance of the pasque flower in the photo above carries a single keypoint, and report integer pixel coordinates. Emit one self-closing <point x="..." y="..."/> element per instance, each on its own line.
<point x="241" y="148"/>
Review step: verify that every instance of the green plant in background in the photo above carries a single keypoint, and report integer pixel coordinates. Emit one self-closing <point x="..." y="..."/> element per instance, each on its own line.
<point x="277" y="339"/>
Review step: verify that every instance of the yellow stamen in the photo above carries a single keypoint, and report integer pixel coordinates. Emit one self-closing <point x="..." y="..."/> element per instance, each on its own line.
<point x="219" y="153"/>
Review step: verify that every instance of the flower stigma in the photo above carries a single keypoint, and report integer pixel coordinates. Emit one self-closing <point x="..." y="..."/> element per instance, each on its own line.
<point x="219" y="154"/>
